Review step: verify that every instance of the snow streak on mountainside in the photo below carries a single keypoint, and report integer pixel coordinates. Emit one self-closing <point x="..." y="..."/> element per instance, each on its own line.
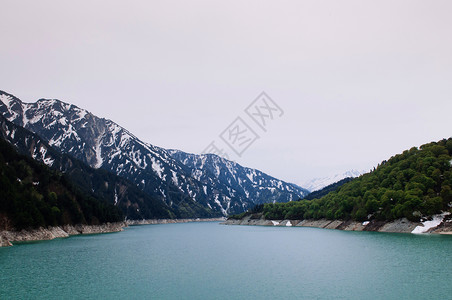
<point x="237" y="182"/>
<point x="319" y="183"/>
<point x="103" y="144"/>
<point x="99" y="183"/>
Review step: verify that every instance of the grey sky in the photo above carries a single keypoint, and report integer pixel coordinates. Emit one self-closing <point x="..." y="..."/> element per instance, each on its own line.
<point x="358" y="80"/>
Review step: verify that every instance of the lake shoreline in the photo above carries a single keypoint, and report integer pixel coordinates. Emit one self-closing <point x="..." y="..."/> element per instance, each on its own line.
<point x="444" y="226"/>
<point x="171" y="221"/>
<point x="8" y="237"/>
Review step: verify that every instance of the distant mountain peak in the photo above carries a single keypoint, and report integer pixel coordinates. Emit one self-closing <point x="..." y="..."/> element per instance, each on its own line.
<point x="316" y="184"/>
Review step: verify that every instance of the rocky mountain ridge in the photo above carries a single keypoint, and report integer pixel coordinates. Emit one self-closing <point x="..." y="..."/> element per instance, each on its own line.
<point x="133" y="202"/>
<point x="161" y="173"/>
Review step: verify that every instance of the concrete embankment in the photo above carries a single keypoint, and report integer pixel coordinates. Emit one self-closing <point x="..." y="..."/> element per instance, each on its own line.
<point x="400" y="225"/>
<point x="170" y="221"/>
<point x="7" y="237"/>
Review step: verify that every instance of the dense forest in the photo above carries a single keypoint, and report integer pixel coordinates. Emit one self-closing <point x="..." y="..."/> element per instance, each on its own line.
<point x="415" y="184"/>
<point x="131" y="200"/>
<point x="34" y="195"/>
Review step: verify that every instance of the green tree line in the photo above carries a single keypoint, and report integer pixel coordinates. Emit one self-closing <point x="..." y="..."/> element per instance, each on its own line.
<point x="414" y="184"/>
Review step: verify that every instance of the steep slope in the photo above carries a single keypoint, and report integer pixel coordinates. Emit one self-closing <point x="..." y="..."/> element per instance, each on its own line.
<point x="34" y="196"/>
<point x="133" y="202"/>
<point x="101" y="143"/>
<point x="244" y="187"/>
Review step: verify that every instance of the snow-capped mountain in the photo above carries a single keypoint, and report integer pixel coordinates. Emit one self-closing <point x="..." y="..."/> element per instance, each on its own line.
<point x="101" y="184"/>
<point x="319" y="183"/>
<point x="101" y="143"/>
<point x="224" y="177"/>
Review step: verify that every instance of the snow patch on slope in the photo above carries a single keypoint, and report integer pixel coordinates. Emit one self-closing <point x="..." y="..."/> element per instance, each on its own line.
<point x="98" y="150"/>
<point x="157" y="167"/>
<point x="427" y="225"/>
<point x="174" y="177"/>
<point x="9" y="101"/>
<point x="217" y="201"/>
<point x="46" y="160"/>
<point x="116" y="197"/>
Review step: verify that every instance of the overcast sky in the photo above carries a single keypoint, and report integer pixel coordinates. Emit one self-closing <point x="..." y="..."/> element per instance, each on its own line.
<point x="357" y="81"/>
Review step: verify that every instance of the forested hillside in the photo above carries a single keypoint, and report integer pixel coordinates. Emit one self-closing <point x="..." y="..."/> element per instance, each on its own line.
<point x="132" y="201"/>
<point x="415" y="184"/>
<point x="32" y="195"/>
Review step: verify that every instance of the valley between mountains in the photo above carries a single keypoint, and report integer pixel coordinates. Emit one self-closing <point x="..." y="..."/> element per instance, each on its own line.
<point x="144" y="181"/>
<point x="67" y="171"/>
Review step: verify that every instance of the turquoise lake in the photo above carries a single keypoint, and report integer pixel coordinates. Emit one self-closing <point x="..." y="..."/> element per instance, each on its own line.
<point x="212" y="261"/>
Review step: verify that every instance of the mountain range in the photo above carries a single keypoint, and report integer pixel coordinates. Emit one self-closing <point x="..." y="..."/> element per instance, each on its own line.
<point x="182" y="184"/>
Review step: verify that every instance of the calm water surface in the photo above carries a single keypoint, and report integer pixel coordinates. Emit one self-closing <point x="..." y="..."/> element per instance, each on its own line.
<point x="211" y="261"/>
